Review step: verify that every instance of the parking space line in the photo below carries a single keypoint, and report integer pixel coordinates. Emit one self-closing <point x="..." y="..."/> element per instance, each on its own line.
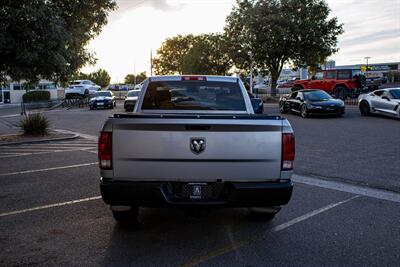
<point x="49" y="206"/>
<point x="49" y="169"/>
<point x="241" y="243"/>
<point x="41" y="153"/>
<point x="349" y="188"/>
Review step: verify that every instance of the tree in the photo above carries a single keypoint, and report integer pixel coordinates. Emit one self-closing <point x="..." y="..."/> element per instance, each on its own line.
<point x="100" y="77"/>
<point x="130" y="78"/>
<point x="191" y="54"/>
<point x="208" y="55"/>
<point x="47" y="38"/>
<point x="171" y="54"/>
<point x="272" y="33"/>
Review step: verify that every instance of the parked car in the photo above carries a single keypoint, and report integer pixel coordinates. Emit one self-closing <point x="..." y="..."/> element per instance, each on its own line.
<point x="383" y="101"/>
<point x="138" y="86"/>
<point x="131" y="99"/>
<point x="81" y="88"/>
<point x="257" y="103"/>
<point x="102" y="99"/>
<point x="288" y="84"/>
<point x="311" y="102"/>
<point x="340" y="83"/>
<point x="195" y="141"/>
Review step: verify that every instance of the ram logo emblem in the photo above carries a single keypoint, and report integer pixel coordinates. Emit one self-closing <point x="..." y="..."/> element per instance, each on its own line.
<point x="197" y="145"/>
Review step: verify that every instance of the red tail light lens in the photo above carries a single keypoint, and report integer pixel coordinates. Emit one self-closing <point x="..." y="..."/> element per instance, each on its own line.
<point x="288" y="151"/>
<point x="105" y="151"/>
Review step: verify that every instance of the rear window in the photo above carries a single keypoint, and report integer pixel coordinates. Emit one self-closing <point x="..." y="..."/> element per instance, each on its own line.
<point x="194" y="95"/>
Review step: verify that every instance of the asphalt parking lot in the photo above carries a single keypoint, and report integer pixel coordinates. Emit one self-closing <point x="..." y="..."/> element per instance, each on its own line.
<point x="345" y="209"/>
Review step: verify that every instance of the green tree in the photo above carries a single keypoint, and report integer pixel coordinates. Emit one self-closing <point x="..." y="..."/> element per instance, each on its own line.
<point x="208" y="55"/>
<point x="47" y="38"/>
<point x="130" y="78"/>
<point x="191" y="54"/>
<point x="100" y="77"/>
<point x="271" y="33"/>
<point x="171" y="54"/>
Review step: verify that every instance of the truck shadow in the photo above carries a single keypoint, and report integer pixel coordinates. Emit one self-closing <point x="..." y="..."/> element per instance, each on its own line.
<point x="172" y="236"/>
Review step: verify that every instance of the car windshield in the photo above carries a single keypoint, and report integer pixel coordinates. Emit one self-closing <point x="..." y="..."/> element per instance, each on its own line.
<point x="133" y="93"/>
<point x="194" y="95"/>
<point x="317" y="95"/>
<point x="103" y="94"/>
<point x="395" y="93"/>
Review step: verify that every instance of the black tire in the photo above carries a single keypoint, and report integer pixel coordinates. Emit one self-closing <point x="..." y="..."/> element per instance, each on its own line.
<point x="340" y="92"/>
<point x="115" y="104"/>
<point x="282" y="108"/>
<point x="126" y="216"/>
<point x="91" y="108"/>
<point x="86" y="92"/>
<point x="261" y="215"/>
<point x="365" y="110"/>
<point x="304" y="111"/>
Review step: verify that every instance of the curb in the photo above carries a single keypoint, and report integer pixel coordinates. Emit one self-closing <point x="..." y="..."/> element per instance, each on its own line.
<point x="42" y="140"/>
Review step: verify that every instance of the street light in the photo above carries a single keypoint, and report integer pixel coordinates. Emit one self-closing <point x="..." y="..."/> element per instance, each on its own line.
<point x="366" y="70"/>
<point x="251" y="71"/>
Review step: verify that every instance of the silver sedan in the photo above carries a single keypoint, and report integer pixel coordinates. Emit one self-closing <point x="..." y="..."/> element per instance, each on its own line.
<point x="382" y="101"/>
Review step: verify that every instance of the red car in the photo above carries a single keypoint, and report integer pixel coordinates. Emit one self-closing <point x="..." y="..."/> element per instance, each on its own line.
<point x="341" y="83"/>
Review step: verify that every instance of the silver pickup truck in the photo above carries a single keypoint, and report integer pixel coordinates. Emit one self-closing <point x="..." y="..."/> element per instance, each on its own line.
<point x="195" y="140"/>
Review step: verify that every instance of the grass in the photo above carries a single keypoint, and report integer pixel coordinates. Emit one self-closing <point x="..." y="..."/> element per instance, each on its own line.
<point x="35" y="125"/>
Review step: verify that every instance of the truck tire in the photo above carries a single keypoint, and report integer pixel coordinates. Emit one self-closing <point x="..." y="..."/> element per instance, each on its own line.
<point x="126" y="216"/>
<point x="364" y="108"/>
<point x="340" y="92"/>
<point x="264" y="213"/>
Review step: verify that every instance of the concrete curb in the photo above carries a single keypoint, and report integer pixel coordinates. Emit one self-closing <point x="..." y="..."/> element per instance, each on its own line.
<point x="74" y="136"/>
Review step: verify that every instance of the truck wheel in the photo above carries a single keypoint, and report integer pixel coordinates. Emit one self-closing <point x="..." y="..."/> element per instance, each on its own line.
<point x="364" y="108"/>
<point x="126" y="216"/>
<point x="340" y="92"/>
<point x="304" y="111"/>
<point x="263" y="213"/>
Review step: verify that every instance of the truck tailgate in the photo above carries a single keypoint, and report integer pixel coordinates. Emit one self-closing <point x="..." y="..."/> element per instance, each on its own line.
<point x="159" y="149"/>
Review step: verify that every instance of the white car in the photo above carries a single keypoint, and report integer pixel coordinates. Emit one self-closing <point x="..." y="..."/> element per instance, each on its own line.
<point x="81" y="88"/>
<point x="382" y="101"/>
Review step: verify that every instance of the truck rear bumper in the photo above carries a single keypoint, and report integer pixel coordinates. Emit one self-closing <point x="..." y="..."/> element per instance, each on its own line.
<point x="159" y="194"/>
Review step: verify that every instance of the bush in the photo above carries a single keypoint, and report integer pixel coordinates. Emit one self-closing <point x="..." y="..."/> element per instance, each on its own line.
<point x="36" y="96"/>
<point x="34" y="124"/>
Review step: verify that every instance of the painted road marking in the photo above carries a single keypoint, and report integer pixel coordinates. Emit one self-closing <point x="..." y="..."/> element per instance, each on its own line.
<point x="241" y="243"/>
<point x="349" y="188"/>
<point x="49" y="169"/>
<point x="50" y="206"/>
<point x="41" y="153"/>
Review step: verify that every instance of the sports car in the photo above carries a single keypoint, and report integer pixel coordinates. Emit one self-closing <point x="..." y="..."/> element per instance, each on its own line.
<point x="383" y="101"/>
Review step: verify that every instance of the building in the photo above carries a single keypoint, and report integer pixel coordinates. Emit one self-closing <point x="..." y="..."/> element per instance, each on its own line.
<point x="12" y="91"/>
<point x="375" y="69"/>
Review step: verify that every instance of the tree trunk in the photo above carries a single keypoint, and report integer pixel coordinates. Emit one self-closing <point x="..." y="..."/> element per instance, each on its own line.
<point x="274" y="79"/>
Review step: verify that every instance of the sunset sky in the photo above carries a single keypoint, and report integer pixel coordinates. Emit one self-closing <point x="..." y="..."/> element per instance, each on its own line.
<point x="372" y="28"/>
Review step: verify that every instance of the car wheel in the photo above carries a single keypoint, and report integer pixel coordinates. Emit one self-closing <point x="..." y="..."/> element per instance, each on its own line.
<point x="91" y="108"/>
<point x="86" y="92"/>
<point x="364" y="108"/>
<point x="126" y="216"/>
<point x="340" y="92"/>
<point x="282" y="108"/>
<point x="263" y="213"/>
<point x="115" y="104"/>
<point x="304" y="111"/>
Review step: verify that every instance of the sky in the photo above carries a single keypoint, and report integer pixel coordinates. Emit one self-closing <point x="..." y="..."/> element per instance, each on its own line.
<point x="372" y="28"/>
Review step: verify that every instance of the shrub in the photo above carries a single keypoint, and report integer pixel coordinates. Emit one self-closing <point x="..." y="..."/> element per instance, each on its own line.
<point x="36" y="96"/>
<point x="34" y="124"/>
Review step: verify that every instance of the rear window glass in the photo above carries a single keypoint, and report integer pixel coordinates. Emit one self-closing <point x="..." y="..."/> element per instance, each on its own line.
<point x="194" y="95"/>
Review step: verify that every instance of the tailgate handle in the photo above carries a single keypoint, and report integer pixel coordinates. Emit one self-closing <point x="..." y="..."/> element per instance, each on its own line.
<point x="197" y="127"/>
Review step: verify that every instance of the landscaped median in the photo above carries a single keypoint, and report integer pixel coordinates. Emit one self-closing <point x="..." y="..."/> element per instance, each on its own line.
<point x="53" y="135"/>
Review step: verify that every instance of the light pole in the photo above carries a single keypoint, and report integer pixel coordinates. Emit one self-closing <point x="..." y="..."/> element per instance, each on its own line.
<point x="367" y="58"/>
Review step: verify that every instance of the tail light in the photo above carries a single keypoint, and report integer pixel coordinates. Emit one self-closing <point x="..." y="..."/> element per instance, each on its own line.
<point x="288" y="151"/>
<point x="105" y="151"/>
